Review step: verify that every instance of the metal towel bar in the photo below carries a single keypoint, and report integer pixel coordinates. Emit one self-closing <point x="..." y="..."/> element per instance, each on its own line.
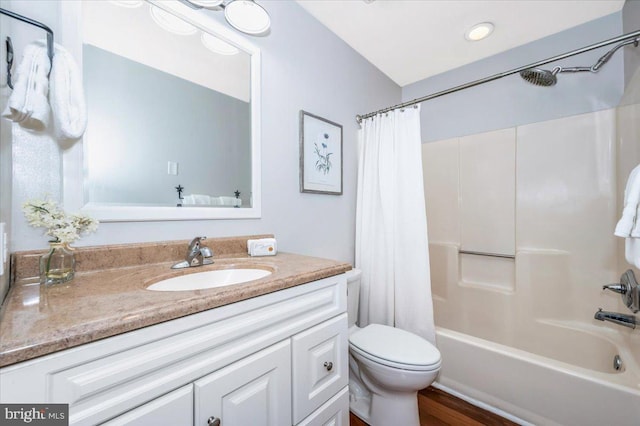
<point x="10" y="48"/>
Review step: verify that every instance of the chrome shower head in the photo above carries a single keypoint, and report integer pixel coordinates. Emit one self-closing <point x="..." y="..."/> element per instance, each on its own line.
<point x="546" y="78"/>
<point x="540" y="77"/>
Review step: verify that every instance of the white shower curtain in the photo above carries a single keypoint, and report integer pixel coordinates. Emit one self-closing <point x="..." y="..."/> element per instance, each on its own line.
<point x="391" y="225"/>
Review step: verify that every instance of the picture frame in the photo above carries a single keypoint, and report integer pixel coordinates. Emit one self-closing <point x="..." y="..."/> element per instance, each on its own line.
<point x="320" y="155"/>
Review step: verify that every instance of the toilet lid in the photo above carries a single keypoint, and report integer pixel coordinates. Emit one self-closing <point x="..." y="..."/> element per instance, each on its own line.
<point x="395" y="345"/>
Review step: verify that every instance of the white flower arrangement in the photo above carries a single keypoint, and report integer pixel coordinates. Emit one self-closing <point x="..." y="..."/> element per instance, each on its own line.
<point x="61" y="227"/>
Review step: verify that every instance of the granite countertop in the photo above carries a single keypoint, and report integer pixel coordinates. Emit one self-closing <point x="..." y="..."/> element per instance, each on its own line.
<point x="108" y="296"/>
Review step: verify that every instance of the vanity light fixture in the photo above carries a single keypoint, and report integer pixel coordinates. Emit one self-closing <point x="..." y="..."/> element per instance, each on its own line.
<point x="246" y="16"/>
<point x="170" y="22"/>
<point x="479" y="31"/>
<point x="216" y="45"/>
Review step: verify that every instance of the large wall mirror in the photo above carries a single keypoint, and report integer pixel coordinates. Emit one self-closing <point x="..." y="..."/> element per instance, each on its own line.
<point x="173" y="105"/>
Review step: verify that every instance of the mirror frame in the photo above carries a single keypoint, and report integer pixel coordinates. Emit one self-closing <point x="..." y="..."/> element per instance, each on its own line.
<point x="72" y="157"/>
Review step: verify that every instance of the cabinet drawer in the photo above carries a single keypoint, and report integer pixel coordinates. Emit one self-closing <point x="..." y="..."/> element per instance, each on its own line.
<point x="320" y="365"/>
<point x="334" y="412"/>
<point x="174" y="408"/>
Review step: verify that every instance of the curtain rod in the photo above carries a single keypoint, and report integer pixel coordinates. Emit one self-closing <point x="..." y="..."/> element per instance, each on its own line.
<point x="621" y="38"/>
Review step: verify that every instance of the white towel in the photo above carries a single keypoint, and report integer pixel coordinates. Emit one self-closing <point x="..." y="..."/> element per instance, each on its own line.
<point x="230" y="201"/>
<point x="629" y="223"/>
<point x="197" y="199"/>
<point x="632" y="251"/>
<point x="66" y="96"/>
<point x="28" y="104"/>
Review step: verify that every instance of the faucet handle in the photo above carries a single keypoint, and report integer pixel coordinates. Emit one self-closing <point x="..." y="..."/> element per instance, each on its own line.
<point x="618" y="288"/>
<point x="629" y="289"/>
<point x="207" y="255"/>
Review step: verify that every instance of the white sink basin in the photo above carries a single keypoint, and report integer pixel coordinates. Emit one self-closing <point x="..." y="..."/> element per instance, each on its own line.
<point x="209" y="279"/>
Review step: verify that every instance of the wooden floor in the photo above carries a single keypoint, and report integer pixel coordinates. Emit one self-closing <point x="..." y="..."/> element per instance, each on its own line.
<point x="438" y="408"/>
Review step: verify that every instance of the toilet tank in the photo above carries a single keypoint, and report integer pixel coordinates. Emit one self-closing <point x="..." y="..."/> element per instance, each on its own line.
<point x="353" y="295"/>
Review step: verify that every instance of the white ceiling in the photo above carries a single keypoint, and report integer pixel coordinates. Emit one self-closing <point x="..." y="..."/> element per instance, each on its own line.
<point x="410" y="40"/>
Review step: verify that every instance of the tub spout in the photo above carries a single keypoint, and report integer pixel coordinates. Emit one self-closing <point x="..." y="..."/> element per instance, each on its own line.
<point x="617" y="318"/>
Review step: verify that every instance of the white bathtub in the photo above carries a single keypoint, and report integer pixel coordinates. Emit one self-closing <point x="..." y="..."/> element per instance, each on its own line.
<point x="577" y="387"/>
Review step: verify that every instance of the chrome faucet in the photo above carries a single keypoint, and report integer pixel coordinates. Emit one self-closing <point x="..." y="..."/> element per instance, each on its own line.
<point x="196" y="255"/>
<point x="617" y="318"/>
<point x="629" y="289"/>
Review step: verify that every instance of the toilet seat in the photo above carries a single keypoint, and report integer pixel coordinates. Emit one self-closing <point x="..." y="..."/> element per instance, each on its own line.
<point x="395" y="348"/>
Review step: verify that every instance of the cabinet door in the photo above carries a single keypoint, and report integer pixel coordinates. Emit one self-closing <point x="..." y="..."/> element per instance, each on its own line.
<point x="334" y="412"/>
<point x="253" y="391"/>
<point x="174" y="408"/>
<point x="320" y="365"/>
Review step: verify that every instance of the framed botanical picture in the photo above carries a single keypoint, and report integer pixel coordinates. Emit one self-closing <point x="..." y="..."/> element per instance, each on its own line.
<point x="320" y="155"/>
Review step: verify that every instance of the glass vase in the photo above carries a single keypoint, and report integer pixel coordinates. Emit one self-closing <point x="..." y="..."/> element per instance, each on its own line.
<point x="58" y="265"/>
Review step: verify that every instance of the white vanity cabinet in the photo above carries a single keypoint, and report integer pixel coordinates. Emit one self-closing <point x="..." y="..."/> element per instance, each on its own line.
<point x="277" y="359"/>
<point x="175" y="409"/>
<point x="253" y="391"/>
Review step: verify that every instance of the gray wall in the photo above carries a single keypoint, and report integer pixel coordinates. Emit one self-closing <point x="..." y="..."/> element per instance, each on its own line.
<point x="510" y="101"/>
<point x="140" y="118"/>
<point x="304" y="66"/>
<point x="631" y="23"/>
<point x="5" y="152"/>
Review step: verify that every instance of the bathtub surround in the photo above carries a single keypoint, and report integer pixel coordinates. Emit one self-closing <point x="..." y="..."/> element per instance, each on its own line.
<point x="391" y="226"/>
<point x="535" y="317"/>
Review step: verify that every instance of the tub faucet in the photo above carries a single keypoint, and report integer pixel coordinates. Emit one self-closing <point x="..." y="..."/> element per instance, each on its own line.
<point x="617" y="318"/>
<point x="196" y="255"/>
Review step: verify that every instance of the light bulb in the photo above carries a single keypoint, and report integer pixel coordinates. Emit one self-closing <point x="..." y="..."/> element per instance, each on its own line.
<point x="247" y="16"/>
<point x="207" y="4"/>
<point x="170" y="22"/>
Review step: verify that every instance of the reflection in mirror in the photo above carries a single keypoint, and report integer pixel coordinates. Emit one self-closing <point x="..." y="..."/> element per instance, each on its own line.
<point x="169" y="108"/>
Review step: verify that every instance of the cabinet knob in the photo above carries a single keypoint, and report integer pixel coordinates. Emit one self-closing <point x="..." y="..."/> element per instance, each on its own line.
<point x="328" y="365"/>
<point x="213" y="421"/>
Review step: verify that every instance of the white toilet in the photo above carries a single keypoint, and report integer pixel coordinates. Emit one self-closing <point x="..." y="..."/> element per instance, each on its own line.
<point x="387" y="367"/>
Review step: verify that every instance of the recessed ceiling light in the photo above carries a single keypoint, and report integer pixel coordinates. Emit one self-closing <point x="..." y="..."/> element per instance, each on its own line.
<point x="216" y="45"/>
<point x="479" y="31"/>
<point x="170" y="22"/>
